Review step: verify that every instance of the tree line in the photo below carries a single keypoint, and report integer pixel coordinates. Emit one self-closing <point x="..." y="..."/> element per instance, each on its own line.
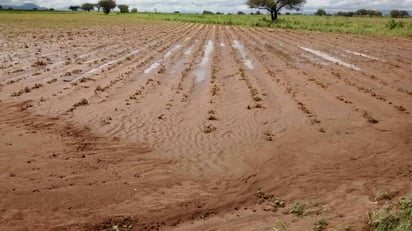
<point x="105" y="5"/>
<point x="365" y="12"/>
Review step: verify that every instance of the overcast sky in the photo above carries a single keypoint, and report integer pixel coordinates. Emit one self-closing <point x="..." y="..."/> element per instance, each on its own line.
<point x="224" y="5"/>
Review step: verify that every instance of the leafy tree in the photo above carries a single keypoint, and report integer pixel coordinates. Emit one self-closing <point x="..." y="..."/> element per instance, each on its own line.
<point x="274" y="6"/>
<point x="207" y="12"/>
<point x="107" y="5"/>
<point x="361" y="12"/>
<point x="134" y="10"/>
<point x="403" y="13"/>
<point x="88" y="7"/>
<point x="1" y="7"/>
<point x="320" y="12"/>
<point x="123" y="8"/>
<point x="74" y="8"/>
<point x="395" y="14"/>
<point x="240" y="13"/>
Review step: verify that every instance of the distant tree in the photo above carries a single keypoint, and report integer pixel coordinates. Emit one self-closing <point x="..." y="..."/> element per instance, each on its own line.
<point x="361" y="12"/>
<point x="220" y="13"/>
<point x="10" y="8"/>
<point x="207" y="12"/>
<point x="258" y="13"/>
<point x="107" y="5"/>
<point x="87" y="7"/>
<point x="134" y="10"/>
<point x="395" y="14"/>
<point x="1" y="7"/>
<point x="240" y="13"/>
<point x="74" y="8"/>
<point x="34" y="9"/>
<point x="320" y="12"/>
<point x="274" y="6"/>
<point x="123" y="8"/>
<point x="51" y="9"/>
<point x="403" y="13"/>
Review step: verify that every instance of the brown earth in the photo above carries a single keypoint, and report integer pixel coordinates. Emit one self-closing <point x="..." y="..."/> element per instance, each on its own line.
<point x="179" y="126"/>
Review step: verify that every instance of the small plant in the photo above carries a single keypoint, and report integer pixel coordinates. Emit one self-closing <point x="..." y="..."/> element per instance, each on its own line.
<point x="396" y="217"/>
<point x="51" y="81"/>
<point x="76" y="71"/>
<point x="370" y="119"/>
<point x="37" y="85"/>
<point x="298" y="208"/>
<point x="82" y="102"/>
<point x="209" y="129"/>
<point x="39" y="63"/>
<point x="320" y="225"/>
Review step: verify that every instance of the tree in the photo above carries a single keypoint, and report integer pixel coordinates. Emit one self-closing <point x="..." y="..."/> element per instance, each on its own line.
<point x="320" y="12"/>
<point x="134" y="10"/>
<point x="361" y="12"/>
<point x="403" y="13"/>
<point x="107" y="5"/>
<point x="207" y="12"/>
<point x="395" y="14"/>
<point x="1" y="7"/>
<point x="74" y="8"/>
<point x="123" y="8"/>
<point x="88" y="7"/>
<point x="274" y="6"/>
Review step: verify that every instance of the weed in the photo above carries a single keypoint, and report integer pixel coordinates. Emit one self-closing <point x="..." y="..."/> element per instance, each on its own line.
<point x="37" y="85"/>
<point x="39" y="63"/>
<point x="209" y="129"/>
<point x="320" y="225"/>
<point x="298" y="208"/>
<point x="51" y="81"/>
<point x="82" y="102"/>
<point x="397" y="217"/>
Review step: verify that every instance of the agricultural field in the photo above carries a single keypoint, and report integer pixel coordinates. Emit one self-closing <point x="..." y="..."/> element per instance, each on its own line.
<point x="126" y="123"/>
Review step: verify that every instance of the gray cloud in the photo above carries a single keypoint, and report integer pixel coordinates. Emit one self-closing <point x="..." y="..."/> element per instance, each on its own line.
<point x="224" y="5"/>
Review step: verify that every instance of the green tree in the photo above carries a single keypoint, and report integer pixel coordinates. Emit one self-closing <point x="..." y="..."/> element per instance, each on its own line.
<point x="403" y="13"/>
<point x="362" y="12"/>
<point x="274" y="6"/>
<point x="74" y="8"/>
<point x="107" y="5"/>
<point x="395" y="14"/>
<point x="87" y="6"/>
<point x="320" y="12"/>
<point x="134" y="10"/>
<point x="123" y="8"/>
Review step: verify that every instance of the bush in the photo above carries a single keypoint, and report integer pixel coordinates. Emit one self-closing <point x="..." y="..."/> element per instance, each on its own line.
<point x="392" y="24"/>
<point x="393" y="216"/>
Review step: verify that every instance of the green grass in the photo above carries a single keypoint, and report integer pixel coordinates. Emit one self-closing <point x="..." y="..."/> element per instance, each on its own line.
<point x="355" y="25"/>
<point x="394" y="217"/>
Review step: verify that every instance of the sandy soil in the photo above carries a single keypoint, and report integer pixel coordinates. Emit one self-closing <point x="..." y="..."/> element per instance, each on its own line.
<point x="200" y="127"/>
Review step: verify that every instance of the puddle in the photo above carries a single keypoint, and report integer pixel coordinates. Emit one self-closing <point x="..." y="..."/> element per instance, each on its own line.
<point x="361" y="54"/>
<point x="188" y="51"/>
<point x="152" y="67"/>
<point x="106" y="64"/>
<point x="169" y="53"/>
<point x="248" y="63"/>
<point x="202" y="67"/>
<point x="314" y="59"/>
<point x="156" y="64"/>
<point x="329" y="58"/>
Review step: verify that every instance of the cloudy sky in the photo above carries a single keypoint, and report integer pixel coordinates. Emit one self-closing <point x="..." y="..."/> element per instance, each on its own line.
<point x="224" y="5"/>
